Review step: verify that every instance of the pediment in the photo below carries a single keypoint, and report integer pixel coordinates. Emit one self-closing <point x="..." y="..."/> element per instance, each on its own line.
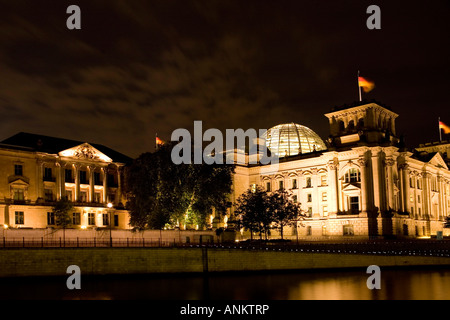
<point x="351" y="187"/>
<point x="438" y="161"/>
<point x="18" y="180"/>
<point x="85" y="152"/>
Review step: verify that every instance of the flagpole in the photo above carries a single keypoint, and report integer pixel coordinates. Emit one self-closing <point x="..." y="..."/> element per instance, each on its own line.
<point x="156" y="144"/>
<point x="440" y="131"/>
<point x="359" y="87"/>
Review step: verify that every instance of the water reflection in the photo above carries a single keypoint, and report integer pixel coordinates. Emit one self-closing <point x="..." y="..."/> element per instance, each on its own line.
<point x="404" y="284"/>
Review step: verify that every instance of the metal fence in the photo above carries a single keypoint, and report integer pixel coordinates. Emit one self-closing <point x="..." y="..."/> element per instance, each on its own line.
<point x="421" y="247"/>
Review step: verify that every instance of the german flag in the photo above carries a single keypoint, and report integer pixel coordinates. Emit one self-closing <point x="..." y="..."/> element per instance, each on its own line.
<point x="159" y="142"/>
<point x="444" y="127"/>
<point x="367" y="85"/>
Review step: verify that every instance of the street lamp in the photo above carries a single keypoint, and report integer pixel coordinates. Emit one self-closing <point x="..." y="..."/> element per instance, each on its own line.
<point x="109" y="205"/>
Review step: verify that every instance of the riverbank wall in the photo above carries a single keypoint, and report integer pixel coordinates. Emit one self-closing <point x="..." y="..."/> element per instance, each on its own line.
<point x="25" y="262"/>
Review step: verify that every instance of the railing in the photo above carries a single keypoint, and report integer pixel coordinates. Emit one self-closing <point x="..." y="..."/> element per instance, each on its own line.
<point x="439" y="248"/>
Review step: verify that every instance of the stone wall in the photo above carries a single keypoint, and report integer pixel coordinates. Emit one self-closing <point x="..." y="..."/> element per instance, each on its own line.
<point x="101" y="261"/>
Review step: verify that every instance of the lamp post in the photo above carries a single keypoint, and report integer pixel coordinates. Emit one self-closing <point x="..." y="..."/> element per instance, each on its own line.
<point x="109" y="205"/>
<point x="5" y="227"/>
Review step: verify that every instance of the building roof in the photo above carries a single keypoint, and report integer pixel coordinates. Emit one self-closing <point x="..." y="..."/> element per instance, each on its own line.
<point x="53" y="145"/>
<point x="359" y="103"/>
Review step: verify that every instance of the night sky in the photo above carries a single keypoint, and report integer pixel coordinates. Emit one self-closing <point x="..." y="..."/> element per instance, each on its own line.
<point x="141" y="67"/>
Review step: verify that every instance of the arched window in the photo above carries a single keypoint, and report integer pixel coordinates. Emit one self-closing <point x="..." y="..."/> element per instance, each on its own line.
<point x="341" y="125"/>
<point x="353" y="175"/>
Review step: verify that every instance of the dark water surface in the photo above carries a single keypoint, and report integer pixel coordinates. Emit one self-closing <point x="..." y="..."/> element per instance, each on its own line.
<point x="396" y="284"/>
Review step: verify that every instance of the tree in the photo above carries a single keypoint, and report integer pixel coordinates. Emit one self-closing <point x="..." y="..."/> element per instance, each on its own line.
<point x="161" y="192"/>
<point x="285" y="212"/>
<point x="254" y="208"/>
<point x="62" y="210"/>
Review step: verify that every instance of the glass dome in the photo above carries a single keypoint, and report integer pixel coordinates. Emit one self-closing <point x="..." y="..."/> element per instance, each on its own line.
<point x="290" y="139"/>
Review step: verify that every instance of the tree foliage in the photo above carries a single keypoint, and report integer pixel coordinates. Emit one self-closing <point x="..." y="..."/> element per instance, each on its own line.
<point x="161" y="192"/>
<point x="62" y="210"/>
<point x="260" y="210"/>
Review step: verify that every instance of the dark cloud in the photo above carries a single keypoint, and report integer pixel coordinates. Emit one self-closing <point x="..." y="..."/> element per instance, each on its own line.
<point x="141" y="67"/>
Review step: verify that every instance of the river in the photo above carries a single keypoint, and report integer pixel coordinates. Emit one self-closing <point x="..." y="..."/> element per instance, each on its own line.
<point x="396" y="284"/>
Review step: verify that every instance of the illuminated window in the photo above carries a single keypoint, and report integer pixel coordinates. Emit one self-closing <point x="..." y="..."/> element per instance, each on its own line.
<point x="50" y="218"/>
<point x="308" y="182"/>
<point x="354" y="204"/>
<point x="324" y="196"/>
<point x="19" y="217"/>
<point x="323" y="180"/>
<point x="18" y="194"/>
<point x="325" y="211"/>
<point x="411" y="198"/>
<point x="18" y="169"/>
<point x="48" y="195"/>
<point x="348" y="230"/>
<point x="352" y="175"/>
<point x="324" y="230"/>
<point x="105" y="219"/>
<point x="91" y="219"/>
<point x="76" y="218"/>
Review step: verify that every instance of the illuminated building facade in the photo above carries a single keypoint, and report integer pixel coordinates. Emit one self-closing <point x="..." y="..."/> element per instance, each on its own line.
<point x="38" y="170"/>
<point x="364" y="183"/>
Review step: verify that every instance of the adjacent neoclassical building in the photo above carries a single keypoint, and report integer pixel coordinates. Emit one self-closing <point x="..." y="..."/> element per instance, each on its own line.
<point x="362" y="181"/>
<point x="37" y="170"/>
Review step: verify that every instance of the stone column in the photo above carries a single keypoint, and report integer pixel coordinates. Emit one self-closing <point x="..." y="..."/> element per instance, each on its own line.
<point x="91" y="184"/>
<point x="390" y="187"/>
<point x="315" y="193"/>
<point x="58" y="181"/>
<point x="76" y="172"/>
<point x="364" y="194"/>
<point x="333" y="196"/>
<point x="105" y="184"/>
<point x="62" y="177"/>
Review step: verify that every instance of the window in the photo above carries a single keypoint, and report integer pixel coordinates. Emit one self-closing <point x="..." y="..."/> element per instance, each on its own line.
<point x="50" y="218"/>
<point x="309" y="197"/>
<point x="411" y="182"/>
<point x="405" y="229"/>
<point x="419" y="184"/>
<point x="47" y="174"/>
<point x="308" y="182"/>
<point x="18" y="170"/>
<point x="105" y="219"/>
<point x="280" y="185"/>
<point x="83" y="179"/>
<point x="352" y="175"/>
<point x="325" y="211"/>
<point x="97" y="180"/>
<point x="324" y="196"/>
<point x="97" y="197"/>
<point x="116" y="220"/>
<point x="420" y="212"/>
<point x="324" y="230"/>
<point x="268" y="189"/>
<point x="308" y="231"/>
<point x="309" y="212"/>
<point x="69" y="195"/>
<point x="418" y="198"/>
<point x="354" y="204"/>
<point x="323" y="180"/>
<point x="91" y="219"/>
<point x="48" y="194"/>
<point x="68" y="175"/>
<point x="294" y="198"/>
<point x="412" y="210"/>
<point x="112" y="197"/>
<point x="76" y="218"/>
<point x="294" y="184"/>
<point x="19" y="195"/>
<point x="19" y="217"/>
<point x="411" y="198"/>
<point x="83" y="196"/>
<point x="348" y="230"/>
